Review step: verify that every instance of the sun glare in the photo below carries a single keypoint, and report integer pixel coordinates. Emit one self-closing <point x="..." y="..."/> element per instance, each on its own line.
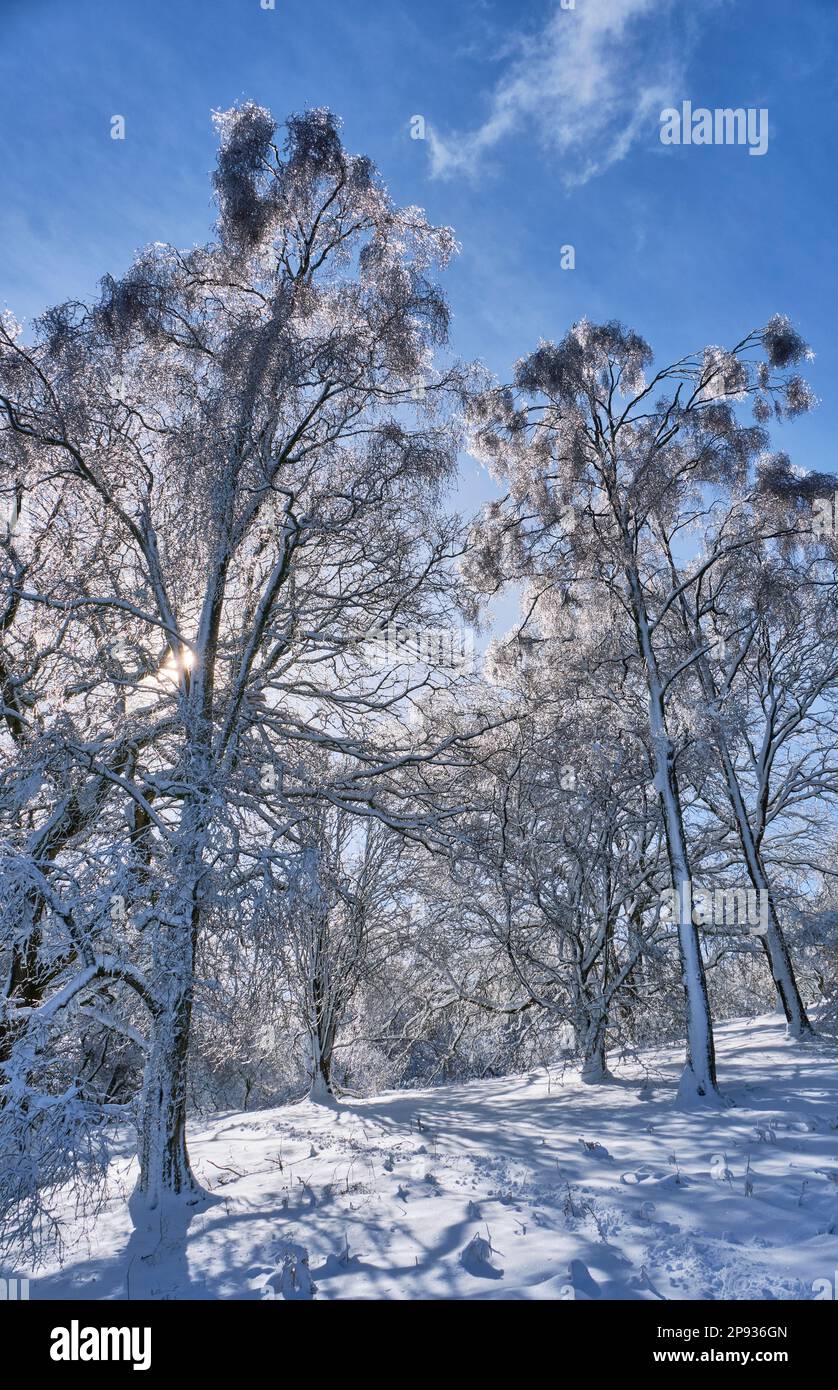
<point x="173" y="666"/>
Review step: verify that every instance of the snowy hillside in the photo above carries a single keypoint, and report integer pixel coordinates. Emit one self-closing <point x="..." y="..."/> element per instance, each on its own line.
<point x="581" y="1192"/>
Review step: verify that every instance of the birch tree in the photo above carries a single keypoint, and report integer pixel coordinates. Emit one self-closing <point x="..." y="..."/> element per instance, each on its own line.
<point x="764" y="628"/>
<point x="598" y="459"/>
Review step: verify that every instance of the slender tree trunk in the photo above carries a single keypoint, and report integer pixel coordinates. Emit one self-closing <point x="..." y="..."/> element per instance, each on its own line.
<point x="699" y="1076"/>
<point x="782" y="971"/>
<point x="595" y="1006"/>
<point x="774" y="941"/>
<point x="322" y="1038"/>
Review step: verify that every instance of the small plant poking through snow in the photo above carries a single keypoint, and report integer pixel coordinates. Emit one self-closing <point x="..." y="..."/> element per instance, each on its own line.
<point x="477" y="1257"/>
<point x="593" y="1146"/>
<point x="293" y="1280"/>
<point x="569" y="1207"/>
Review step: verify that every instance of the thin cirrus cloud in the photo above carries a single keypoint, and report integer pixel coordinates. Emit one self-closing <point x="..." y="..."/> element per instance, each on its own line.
<point x="588" y="84"/>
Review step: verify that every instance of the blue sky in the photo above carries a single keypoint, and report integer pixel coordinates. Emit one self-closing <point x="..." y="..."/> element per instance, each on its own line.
<point x="542" y="130"/>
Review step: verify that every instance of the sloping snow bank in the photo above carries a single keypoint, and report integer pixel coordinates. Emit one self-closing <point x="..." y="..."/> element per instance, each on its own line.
<point x="517" y="1188"/>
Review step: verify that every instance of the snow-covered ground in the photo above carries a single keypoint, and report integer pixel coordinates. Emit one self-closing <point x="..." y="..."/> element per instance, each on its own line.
<point x="587" y="1192"/>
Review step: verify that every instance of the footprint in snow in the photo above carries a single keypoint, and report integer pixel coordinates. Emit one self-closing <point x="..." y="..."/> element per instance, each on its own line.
<point x="583" y="1282"/>
<point x="334" y="1265"/>
<point x="640" y="1175"/>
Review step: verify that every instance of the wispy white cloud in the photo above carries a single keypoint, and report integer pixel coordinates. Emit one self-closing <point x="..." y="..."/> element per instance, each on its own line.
<point x="587" y="85"/>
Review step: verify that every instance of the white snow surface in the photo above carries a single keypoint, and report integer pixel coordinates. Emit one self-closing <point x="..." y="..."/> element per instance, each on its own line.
<point x="587" y="1192"/>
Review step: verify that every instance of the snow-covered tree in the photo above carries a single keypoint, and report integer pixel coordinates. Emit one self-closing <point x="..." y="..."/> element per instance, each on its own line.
<point x="250" y="485"/>
<point x="605" y="468"/>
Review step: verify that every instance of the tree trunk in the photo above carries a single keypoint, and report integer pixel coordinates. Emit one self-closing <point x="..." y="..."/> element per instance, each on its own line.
<point x="165" y="1170"/>
<point x="322" y="1007"/>
<point x="321" y="1079"/>
<point x="594" y="1066"/>
<point x="322" y="1045"/>
<point x="699" y="1076"/>
<point x="798" y="1024"/>
<point x="774" y="941"/>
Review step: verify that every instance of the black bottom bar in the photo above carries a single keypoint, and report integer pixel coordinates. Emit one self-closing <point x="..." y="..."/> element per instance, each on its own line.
<point x="65" y="1339"/>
